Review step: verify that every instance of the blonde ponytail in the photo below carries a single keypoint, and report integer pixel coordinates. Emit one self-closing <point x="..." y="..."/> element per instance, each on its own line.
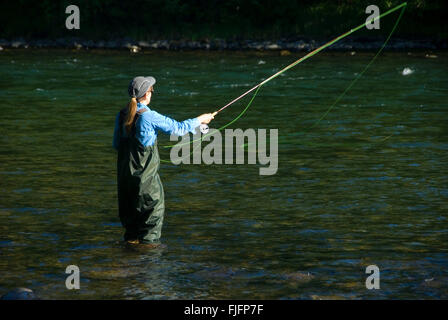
<point x="132" y="110"/>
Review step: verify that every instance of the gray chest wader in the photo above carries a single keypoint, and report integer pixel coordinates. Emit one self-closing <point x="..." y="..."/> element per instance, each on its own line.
<point x="141" y="201"/>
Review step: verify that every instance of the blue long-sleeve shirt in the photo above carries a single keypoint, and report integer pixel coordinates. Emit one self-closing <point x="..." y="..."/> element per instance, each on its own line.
<point x="150" y="122"/>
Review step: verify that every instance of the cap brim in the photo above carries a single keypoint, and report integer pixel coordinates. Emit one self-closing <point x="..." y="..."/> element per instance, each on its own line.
<point x="152" y="81"/>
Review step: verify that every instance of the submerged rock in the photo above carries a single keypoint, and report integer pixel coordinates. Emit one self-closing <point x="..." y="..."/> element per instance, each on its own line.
<point x="435" y="283"/>
<point x="299" y="276"/>
<point x="407" y="71"/>
<point x="334" y="297"/>
<point x="217" y="273"/>
<point x="19" y="294"/>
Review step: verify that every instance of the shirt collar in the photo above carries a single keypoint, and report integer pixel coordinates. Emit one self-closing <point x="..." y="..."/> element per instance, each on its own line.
<point x="141" y="105"/>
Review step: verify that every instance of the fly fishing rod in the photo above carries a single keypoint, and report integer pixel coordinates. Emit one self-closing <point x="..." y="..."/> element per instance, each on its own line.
<point x="204" y="128"/>
<point x="312" y="53"/>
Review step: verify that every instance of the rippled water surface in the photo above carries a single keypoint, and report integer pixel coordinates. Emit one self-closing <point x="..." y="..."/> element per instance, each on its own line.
<point x="368" y="184"/>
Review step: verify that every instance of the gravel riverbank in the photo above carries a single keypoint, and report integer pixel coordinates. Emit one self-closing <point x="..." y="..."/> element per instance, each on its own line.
<point x="220" y="44"/>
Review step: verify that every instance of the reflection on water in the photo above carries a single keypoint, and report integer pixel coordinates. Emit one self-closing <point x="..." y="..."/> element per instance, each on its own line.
<point x="367" y="185"/>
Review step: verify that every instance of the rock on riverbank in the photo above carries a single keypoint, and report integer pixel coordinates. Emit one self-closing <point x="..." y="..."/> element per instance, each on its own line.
<point x="302" y="44"/>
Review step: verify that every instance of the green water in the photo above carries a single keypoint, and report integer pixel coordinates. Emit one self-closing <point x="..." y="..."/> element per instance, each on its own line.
<point x="366" y="185"/>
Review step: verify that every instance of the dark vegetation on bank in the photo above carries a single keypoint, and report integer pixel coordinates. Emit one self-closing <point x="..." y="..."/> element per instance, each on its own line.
<point x="217" y="24"/>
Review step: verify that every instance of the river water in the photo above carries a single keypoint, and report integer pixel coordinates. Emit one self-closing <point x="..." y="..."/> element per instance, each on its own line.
<point x="366" y="185"/>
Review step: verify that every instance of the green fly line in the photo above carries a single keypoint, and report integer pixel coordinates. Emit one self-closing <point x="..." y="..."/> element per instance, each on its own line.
<point x="309" y="55"/>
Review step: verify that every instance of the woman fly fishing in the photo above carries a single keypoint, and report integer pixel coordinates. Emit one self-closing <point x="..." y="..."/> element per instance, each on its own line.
<point x="141" y="203"/>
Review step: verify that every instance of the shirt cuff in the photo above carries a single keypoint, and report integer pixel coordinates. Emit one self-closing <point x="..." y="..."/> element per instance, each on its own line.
<point x="196" y="123"/>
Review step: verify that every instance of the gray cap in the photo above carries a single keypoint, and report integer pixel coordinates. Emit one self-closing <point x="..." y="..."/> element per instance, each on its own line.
<point x="139" y="86"/>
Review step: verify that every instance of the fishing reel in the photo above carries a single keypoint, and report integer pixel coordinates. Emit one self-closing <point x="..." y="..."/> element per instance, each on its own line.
<point x="204" y="128"/>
